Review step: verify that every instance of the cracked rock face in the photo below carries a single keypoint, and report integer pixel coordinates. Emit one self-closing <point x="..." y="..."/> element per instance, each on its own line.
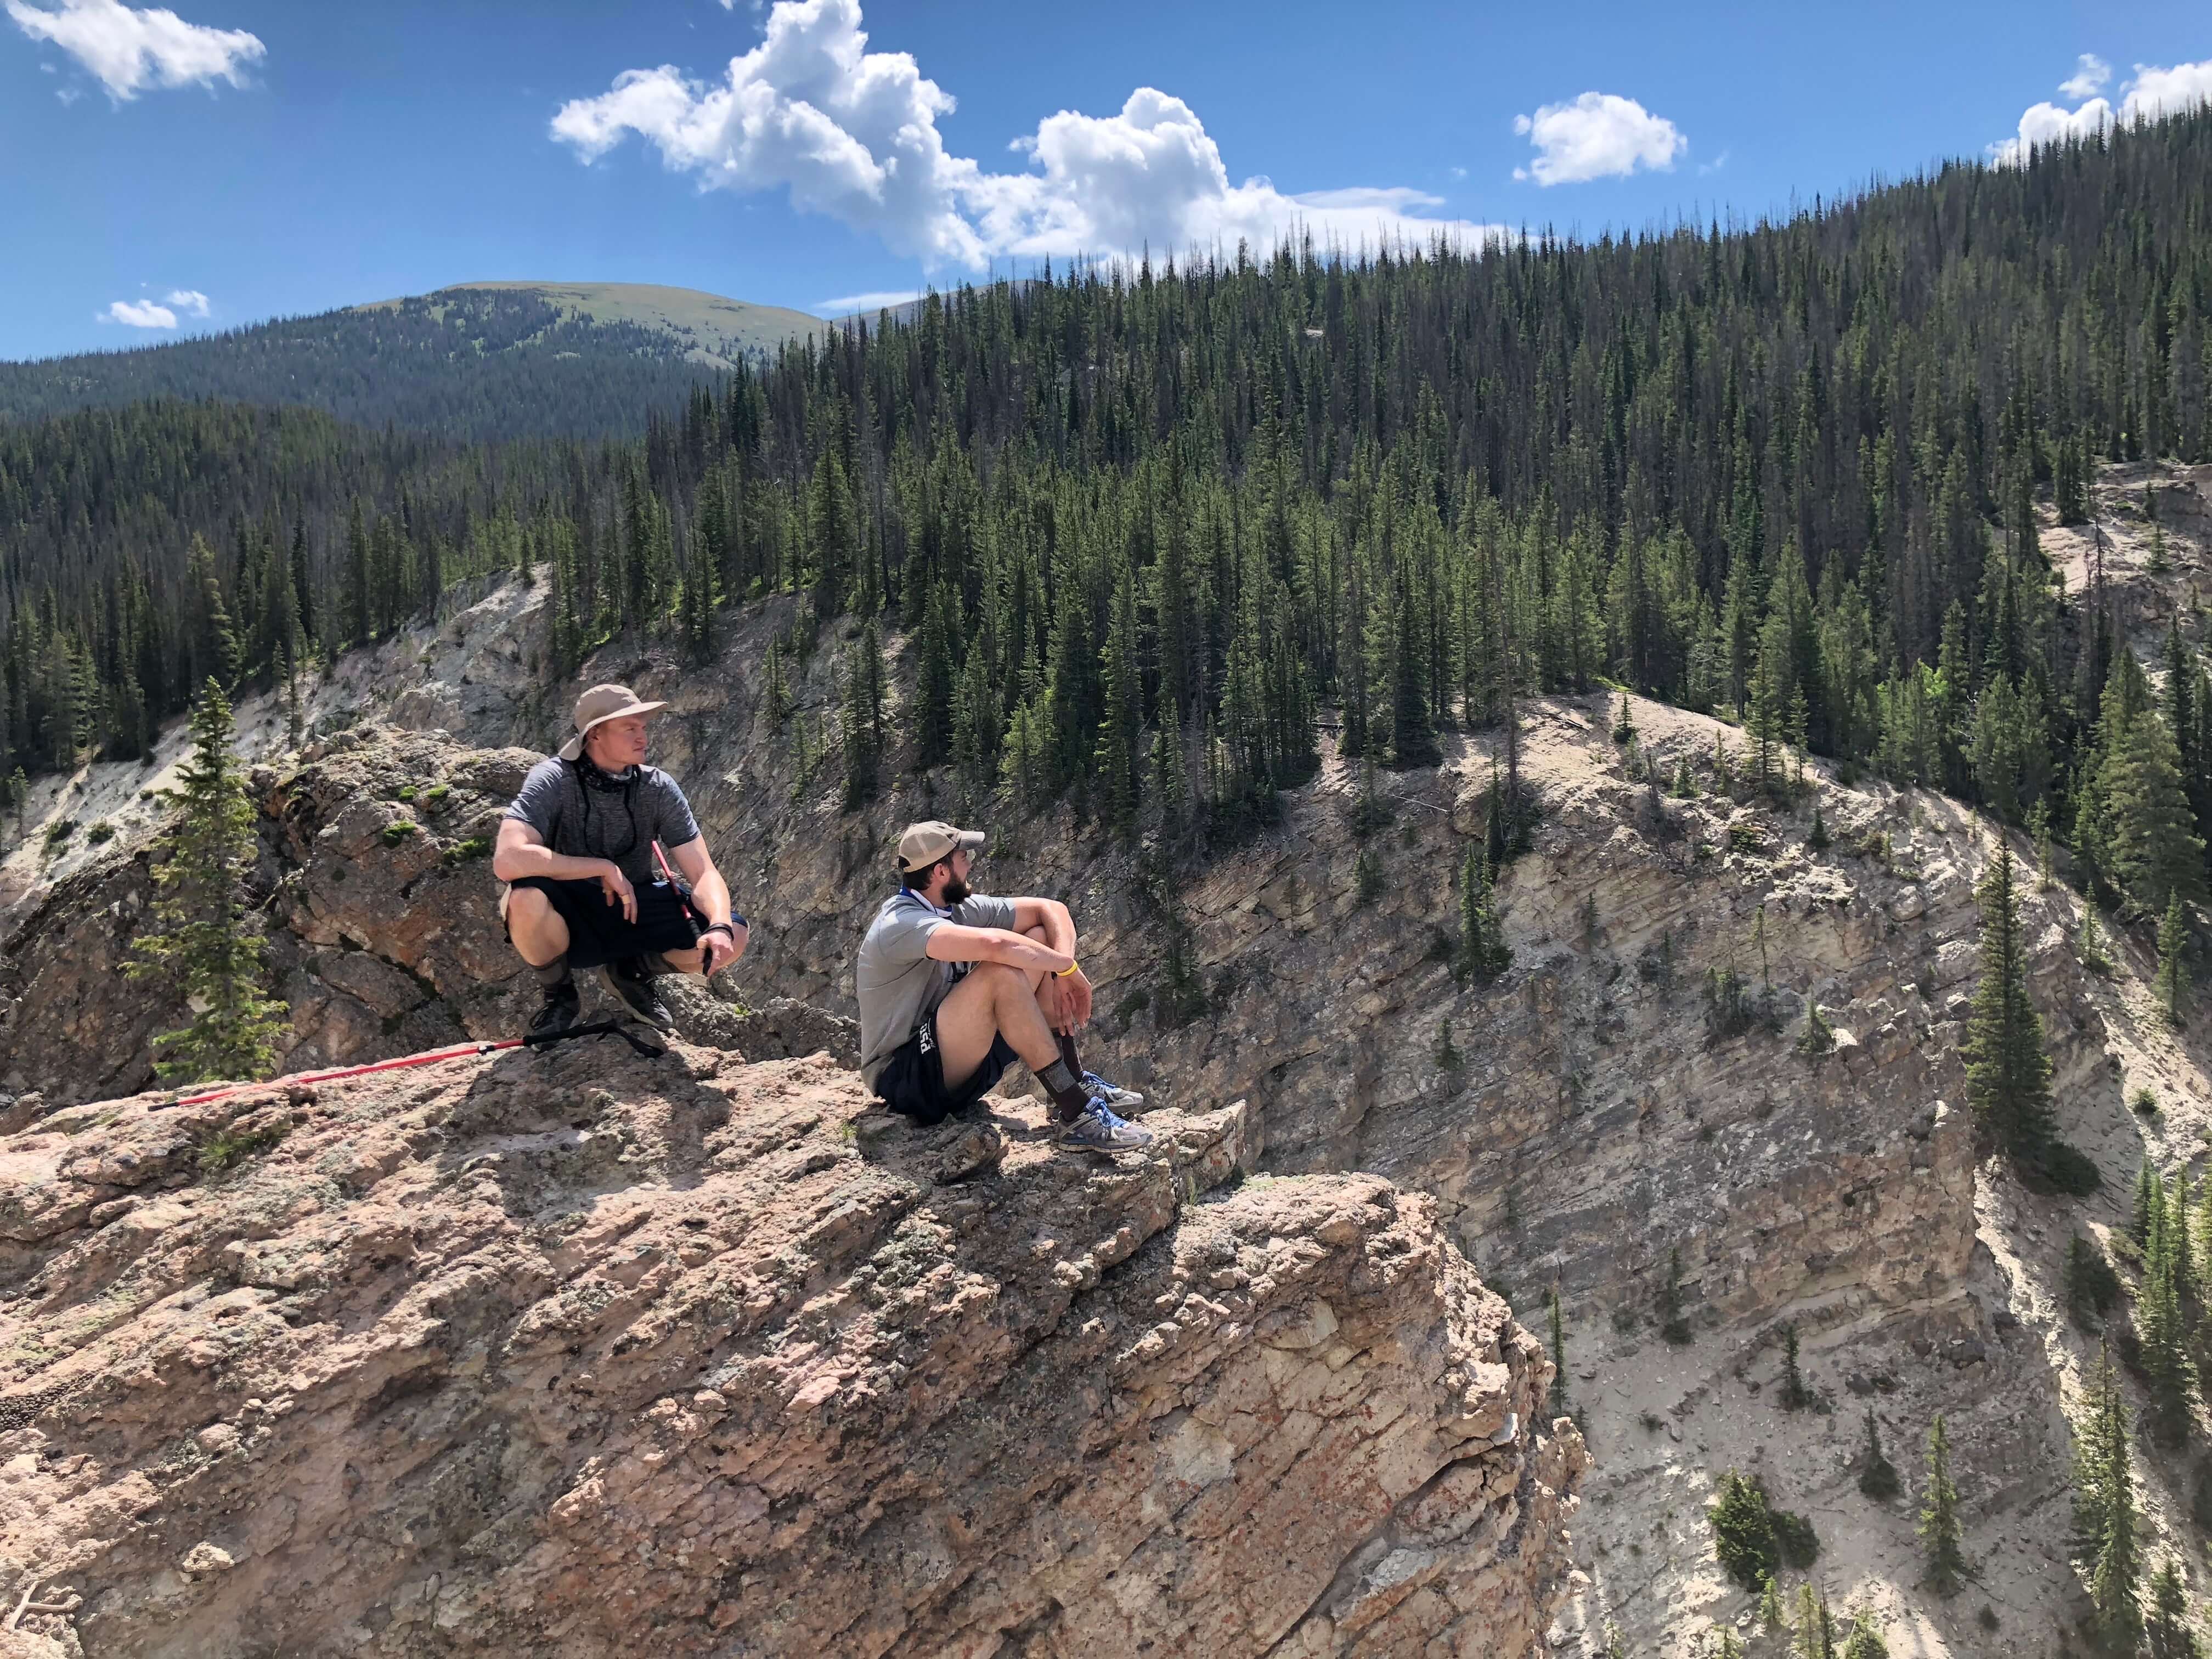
<point x="583" y="1353"/>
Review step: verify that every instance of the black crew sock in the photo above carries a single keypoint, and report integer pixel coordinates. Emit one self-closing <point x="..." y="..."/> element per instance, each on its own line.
<point x="1066" y="1088"/>
<point x="554" y="973"/>
<point x="1067" y="1054"/>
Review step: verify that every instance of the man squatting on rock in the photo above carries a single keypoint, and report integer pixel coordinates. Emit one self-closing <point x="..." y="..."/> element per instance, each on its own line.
<point x="575" y="849"/>
<point x="955" y="986"/>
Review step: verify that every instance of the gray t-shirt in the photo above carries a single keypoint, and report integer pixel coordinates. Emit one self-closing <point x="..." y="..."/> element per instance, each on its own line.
<point x="580" y="821"/>
<point x="898" y="984"/>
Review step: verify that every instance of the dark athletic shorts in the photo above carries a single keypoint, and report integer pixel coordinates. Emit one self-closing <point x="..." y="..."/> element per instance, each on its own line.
<point x="599" y="934"/>
<point x="912" y="1081"/>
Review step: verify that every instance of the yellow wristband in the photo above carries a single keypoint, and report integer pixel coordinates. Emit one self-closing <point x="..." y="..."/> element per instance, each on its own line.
<point x="1065" y="971"/>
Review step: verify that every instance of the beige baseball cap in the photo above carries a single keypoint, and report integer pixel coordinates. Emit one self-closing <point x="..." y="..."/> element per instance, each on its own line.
<point x="598" y="706"/>
<point x="924" y="844"/>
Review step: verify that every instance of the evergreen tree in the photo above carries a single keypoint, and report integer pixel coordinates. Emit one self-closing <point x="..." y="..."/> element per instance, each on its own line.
<point x="936" y="677"/>
<point x="1864" y="1640"/>
<point x="2150" y="843"/>
<point x="1170" y="779"/>
<point x="1771" y="1617"/>
<point x="2172" y="972"/>
<point x="1816" y="1629"/>
<point x="1939" y="1517"/>
<point x="1115" y="760"/>
<point x="1483" y="951"/>
<point x="2167" y="1372"/>
<point x="1448" y="1056"/>
<point x="2104" y="1514"/>
<point x="861" y="718"/>
<point x="211" y="643"/>
<point x="202" y="943"/>
<point x="1795" y="1397"/>
<point x="2008" y="1073"/>
<point x="1743" y="1535"/>
<point x="358" y="585"/>
<point x="2088" y="944"/>
<point x="2143" y="1213"/>
<point x="2039" y="827"/>
<point x="2169" y="1631"/>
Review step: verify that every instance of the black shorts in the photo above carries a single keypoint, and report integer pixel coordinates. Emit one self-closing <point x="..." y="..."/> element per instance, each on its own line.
<point x="912" y="1081"/>
<point x="599" y="934"/>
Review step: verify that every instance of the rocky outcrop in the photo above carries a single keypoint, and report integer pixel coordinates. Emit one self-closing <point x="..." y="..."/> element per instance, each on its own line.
<point x="583" y="1353"/>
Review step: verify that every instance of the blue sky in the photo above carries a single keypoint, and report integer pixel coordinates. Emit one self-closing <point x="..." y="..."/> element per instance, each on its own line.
<point x="251" y="158"/>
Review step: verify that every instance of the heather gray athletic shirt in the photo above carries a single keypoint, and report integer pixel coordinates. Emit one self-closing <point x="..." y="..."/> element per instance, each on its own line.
<point x="580" y="821"/>
<point x="898" y="984"/>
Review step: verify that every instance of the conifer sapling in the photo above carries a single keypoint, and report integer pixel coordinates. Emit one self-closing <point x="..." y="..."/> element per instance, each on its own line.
<point x="2172" y="983"/>
<point x="202" y="940"/>
<point x="1939" y="1517"/>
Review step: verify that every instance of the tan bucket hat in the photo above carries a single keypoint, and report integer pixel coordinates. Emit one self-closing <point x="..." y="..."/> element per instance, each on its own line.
<point x="598" y="706"/>
<point x="924" y="844"/>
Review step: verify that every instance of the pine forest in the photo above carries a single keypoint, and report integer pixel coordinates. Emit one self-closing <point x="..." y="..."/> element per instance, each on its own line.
<point x="1148" y="530"/>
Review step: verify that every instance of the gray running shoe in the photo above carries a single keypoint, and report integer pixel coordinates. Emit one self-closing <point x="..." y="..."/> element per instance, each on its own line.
<point x="1095" y="1128"/>
<point x="631" y="983"/>
<point x="1120" y="1099"/>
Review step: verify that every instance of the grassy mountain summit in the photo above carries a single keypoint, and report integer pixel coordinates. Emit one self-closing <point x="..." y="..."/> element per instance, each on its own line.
<point x="716" y="330"/>
<point x="482" y="362"/>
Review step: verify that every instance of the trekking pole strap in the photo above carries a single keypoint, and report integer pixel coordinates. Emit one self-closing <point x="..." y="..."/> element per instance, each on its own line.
<point x="620" y="1028"/>
<point x="458" y="1051"/>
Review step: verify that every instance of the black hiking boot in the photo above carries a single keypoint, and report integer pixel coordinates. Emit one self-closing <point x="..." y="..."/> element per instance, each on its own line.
<point x="559" y="1010"/>
<point x="631" y="983"/>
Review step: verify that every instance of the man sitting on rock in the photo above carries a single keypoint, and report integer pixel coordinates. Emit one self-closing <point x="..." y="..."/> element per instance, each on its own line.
<point x="584" y="890"/>
<point x="955" y="986"/>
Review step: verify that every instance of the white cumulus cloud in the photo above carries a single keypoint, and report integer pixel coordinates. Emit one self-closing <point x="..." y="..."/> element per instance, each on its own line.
<point x="191" y="300"/>
<point x="2151" y="92"/>
<point x="139" y="313"/>
<point x="2156" y="92"/>
<point x="1600" y="134"/>
<point x="130" y="48"/>
<point x="853" y="133"/>
<point x="2090" y="74"/>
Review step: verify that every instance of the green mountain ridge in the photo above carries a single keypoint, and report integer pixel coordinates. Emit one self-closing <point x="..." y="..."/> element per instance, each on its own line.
<point x="476" y="363"/>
